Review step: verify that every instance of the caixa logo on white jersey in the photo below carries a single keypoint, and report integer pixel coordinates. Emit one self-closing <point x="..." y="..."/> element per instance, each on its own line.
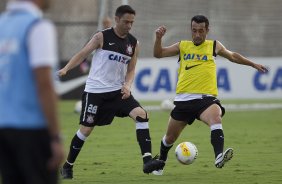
<point x="119" y="58"/>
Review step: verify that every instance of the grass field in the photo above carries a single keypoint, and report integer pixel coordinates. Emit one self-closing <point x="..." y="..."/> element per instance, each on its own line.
<point x="111" y="153"/>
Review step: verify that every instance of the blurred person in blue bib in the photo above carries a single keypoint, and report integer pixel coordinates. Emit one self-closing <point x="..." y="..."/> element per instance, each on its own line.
<point x="30" y="146"/>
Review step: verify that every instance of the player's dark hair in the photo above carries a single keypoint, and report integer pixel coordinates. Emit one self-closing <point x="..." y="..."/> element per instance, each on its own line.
<point x="123" y="9"/>
<point x="200" y="19"/>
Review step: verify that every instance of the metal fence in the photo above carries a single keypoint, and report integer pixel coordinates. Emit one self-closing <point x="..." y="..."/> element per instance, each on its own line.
<point x="251" y="27"/>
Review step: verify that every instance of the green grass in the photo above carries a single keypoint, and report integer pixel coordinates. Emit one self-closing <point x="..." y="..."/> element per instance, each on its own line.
<point x="111" y="153"/>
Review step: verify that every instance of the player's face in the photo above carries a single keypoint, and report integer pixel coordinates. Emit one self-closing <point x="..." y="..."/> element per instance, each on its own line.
<point x="199" y="32"/>
<point x="125" y="23"/>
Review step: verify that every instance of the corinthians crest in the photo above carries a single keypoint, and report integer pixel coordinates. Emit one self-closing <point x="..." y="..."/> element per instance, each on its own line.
<point x="90" y="119"/>
<point x="129" y="49"/>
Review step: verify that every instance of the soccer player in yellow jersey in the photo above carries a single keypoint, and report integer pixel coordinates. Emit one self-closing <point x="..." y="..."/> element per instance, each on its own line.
<point x="196" y="89"/>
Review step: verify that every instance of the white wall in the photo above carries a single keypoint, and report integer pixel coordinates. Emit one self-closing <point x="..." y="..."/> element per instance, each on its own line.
<point x="156" y="79"/>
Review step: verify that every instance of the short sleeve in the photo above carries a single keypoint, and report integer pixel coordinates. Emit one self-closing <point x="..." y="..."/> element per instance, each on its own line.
<point x="42" y="45"/>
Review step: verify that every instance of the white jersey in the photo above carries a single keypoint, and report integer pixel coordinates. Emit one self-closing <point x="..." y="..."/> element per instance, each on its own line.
<point x="109" y="63"/>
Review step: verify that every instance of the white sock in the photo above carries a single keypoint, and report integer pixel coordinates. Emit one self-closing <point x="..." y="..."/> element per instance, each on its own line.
<point x="165" y="143"/>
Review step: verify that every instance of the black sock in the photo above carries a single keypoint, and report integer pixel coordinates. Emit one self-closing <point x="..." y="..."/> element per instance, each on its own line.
<point x="144" y="140"/>
<point x="67" y="165"/>
<point x="164" y="151"/>
<point x="217" y="141"/>
<point x="75" y="147"/>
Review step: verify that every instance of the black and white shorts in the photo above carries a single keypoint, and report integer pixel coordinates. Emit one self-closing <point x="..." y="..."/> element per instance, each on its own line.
<point x="99" y="109"/>
<point x="188" y="111"/>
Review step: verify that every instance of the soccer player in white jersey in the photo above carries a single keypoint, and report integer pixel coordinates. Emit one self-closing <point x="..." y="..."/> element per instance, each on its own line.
<point x="107" y="90"/>
<point x="30" y="147"/>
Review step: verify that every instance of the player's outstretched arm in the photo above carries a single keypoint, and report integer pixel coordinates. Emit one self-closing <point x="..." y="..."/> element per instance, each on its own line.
<point x="159" y="50"/>
<point x="237" y="58"/>
<point x="93" y="44"/>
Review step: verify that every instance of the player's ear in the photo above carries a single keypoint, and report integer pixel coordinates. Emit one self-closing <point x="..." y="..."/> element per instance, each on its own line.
<point x="116" y="19"/>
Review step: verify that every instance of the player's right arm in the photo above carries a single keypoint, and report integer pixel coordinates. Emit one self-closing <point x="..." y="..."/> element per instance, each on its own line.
<point x="159" y="50"/>
<point x="95" y="43"/>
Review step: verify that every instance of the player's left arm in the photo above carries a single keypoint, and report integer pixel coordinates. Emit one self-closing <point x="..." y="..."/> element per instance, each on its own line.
<point x="237" y="58"/>
<point x="125" y="90"/>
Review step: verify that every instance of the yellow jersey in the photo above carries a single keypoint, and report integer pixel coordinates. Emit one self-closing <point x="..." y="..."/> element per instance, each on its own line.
<point x="197" y="68"/>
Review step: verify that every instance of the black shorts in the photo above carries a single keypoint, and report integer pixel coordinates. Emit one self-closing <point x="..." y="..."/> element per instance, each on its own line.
<point x="188" y="111"/>
<point x="99" y="109"/>
<point x="23" y="157"/>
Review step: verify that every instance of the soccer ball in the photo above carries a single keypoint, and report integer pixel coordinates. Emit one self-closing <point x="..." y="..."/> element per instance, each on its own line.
<point x="77" y="107"/>
<point x="186" y="153"/>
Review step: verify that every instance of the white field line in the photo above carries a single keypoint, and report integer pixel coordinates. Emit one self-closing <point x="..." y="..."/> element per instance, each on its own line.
<point x="231" y="107"/>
